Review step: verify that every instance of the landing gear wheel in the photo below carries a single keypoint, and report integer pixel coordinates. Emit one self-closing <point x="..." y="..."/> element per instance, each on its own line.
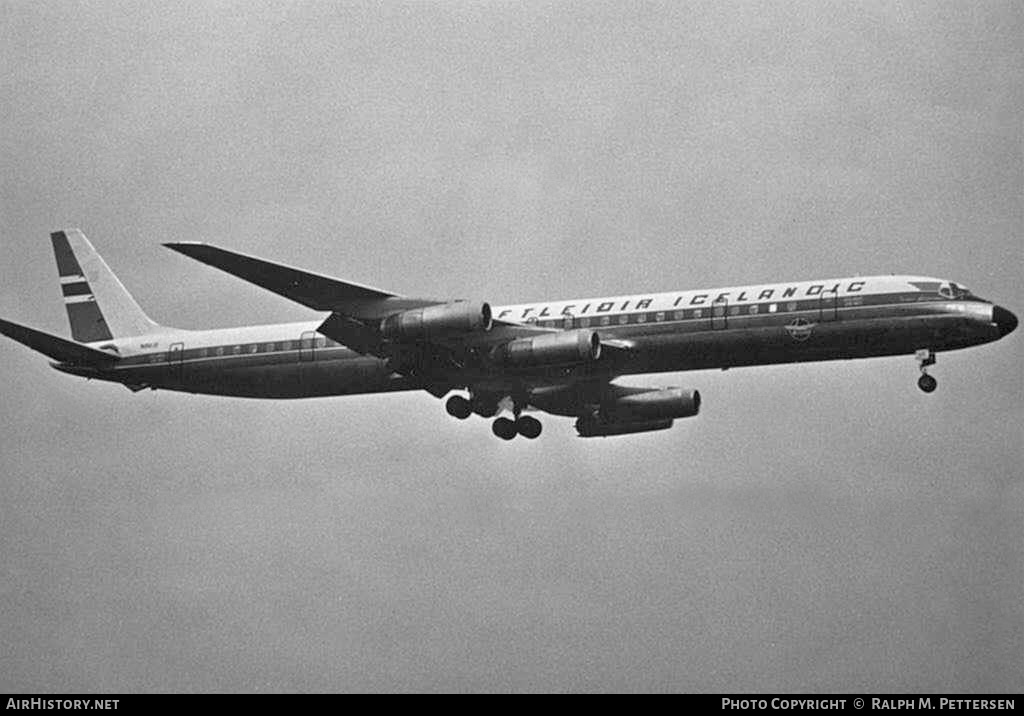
<point x="528" y="427"/>
<point x="458" y="407"/>
<point x="484" y="408"/>
<point x="925" y="357"/>
<point x="504" y="428"/>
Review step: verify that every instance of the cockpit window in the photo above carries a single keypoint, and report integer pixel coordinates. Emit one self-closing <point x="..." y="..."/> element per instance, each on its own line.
<point x="954" y="291"/>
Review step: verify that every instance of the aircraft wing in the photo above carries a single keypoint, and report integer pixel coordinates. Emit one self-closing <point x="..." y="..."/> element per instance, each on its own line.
<point x="357" y="312"/>
<point x="354" y="305"/>
<point x="321" y="293"/>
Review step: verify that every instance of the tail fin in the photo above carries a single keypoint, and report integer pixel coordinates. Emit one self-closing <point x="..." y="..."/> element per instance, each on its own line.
<point x="99" y="307"/>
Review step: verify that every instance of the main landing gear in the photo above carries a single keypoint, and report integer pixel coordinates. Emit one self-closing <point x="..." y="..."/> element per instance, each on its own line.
<point x="524" y="425"/>
<point x="926" y="382"/>
<point x="505" y="428"/>
<point x="458" y="407"/>
<point x="461" y="408"/>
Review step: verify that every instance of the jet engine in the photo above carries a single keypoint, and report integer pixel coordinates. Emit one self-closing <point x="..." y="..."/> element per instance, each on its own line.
<point x="656" y="404"/>
<point x="420" y="324"/>
<point x="639" y="410"/>
<point x="593" y="427"/>
<point x="561" y="348"/>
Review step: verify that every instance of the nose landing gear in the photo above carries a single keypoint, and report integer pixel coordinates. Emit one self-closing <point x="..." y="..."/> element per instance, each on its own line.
<point x="925" y="357"/>
<point x="927" y="383"/>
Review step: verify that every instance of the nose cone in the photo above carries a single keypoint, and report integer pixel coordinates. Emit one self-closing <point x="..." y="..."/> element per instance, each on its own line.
<point x="1005" y="320"/>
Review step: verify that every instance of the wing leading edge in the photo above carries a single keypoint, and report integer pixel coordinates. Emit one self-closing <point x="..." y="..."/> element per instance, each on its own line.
<point x="321" y="293"/>
<point x="355" y="306"/>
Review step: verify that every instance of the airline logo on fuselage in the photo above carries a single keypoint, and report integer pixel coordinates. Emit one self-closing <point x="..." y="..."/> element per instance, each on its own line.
<point x="800" y="329"/>
<point x="682" y="300"/>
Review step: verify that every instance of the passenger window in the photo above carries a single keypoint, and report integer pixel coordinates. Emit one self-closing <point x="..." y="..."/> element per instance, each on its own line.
<point x="697" y="313"/>
<point x="605" y="320"/>
<point x="220" y="350"/>
<point x="567" y="323"/>
<point x="584" y="322"/>
<point x="623" y="319"/>
<point x="772" y="308"/>
<point x="753" y="310"/>
<point x="680" y="315"/>
<point x="659" y="316"/>
<point x="253" y="348"/>
<point x="641" y="318"/>
<point x="734" y="311"/>
<point x="791" y="306"/>
<point x="237" y="350"/>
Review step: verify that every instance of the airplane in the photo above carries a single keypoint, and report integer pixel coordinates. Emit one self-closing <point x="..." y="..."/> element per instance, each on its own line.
<point x="559" y="357"/>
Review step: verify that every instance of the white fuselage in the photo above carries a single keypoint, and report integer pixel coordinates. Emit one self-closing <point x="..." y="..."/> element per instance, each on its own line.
<point x="680" y="330"/>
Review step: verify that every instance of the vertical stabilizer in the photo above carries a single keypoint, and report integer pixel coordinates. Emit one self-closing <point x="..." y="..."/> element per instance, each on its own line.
<point x="99" y="307"/>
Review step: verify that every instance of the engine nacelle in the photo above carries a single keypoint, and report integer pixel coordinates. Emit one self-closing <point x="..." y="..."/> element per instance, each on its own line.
<point x="657" y="404"/>
<point x="594" y="427"/>
<point x="561" y="348"/>
<point x="420" y="324"/>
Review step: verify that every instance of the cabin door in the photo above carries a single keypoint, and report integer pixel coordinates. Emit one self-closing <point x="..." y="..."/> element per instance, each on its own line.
<point x="307" y="359"/>
<point x="719" y="319"/>
<point x="307" y="347"/>
<point x="828" y="303"/>
<point x="176" y="361"/>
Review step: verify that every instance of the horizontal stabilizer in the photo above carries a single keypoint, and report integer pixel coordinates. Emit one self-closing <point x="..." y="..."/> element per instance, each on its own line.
<point x="59" y="349"/>
<point x="321" y="293"/>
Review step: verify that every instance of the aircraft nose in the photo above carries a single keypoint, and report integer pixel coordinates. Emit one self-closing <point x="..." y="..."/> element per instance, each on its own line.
<point x="1004" y="319"/>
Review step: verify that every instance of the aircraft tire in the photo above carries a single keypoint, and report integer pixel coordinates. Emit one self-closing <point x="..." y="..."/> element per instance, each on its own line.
<point x="458" y="407"/>
<point x="528" y="427"/>
<point x="927" y="383"/>
<point x="504" y="428"/>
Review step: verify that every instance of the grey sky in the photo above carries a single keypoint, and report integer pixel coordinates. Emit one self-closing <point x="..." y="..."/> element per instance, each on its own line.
<point x="818" y="527"/>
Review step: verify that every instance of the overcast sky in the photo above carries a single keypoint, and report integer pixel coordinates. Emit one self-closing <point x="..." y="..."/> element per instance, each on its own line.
<point x="818" y="527"/>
